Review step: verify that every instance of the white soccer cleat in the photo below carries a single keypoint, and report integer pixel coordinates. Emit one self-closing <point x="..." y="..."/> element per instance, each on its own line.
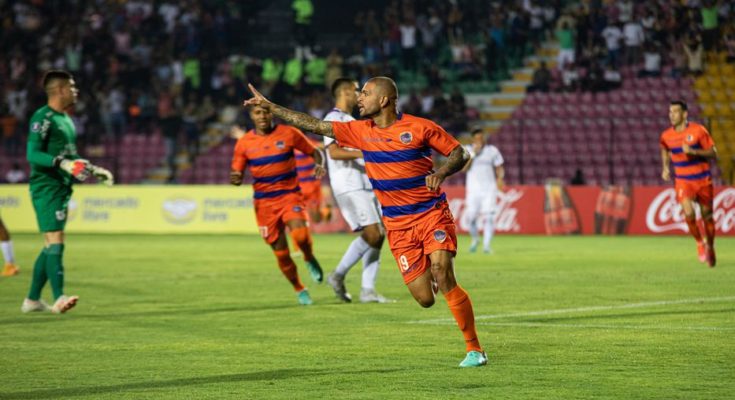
<point x="371" y="296"/>
<point x="64" y="304"/>
<point x="34" y="306"/>
<point x="337" y="283"/>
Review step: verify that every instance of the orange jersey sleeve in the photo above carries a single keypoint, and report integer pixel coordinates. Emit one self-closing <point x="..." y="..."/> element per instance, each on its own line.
<point x="347" y="134"/>
<point x="302" y="143"/>
<point x="704" y="138"/>
<point x="438" y="139"/>
<point x="239" y="157"/>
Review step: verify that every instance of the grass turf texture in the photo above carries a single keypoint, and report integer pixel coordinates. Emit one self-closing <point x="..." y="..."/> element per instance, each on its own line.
<point x="212" y="317"/>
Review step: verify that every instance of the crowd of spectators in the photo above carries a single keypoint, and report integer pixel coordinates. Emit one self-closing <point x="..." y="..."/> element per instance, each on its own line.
<point x="179" y="67"/>
<point x="176" y="67"/>
<point x="601" y="43"/>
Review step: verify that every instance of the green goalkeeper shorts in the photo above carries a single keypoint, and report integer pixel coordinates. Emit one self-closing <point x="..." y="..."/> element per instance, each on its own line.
<point x="51" y="203"/>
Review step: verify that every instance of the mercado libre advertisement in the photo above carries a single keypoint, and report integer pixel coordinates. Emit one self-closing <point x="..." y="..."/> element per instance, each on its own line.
<point x="141" y="209"/>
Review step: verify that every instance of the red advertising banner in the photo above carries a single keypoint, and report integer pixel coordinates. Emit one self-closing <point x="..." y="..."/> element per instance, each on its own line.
<point x="556" y="209"/>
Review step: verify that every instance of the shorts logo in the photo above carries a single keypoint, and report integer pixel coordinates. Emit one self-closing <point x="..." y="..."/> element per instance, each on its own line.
<point x="60" y="215"/>
<point x="297" y="209"/>
<point x="406" y="137"/>
<point x="36" y="127"/>
<point x="281" y="144"/>
<point x="440" y="235"/>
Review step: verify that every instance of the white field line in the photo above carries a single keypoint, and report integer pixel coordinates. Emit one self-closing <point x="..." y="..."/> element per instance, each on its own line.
<point x="601" y="326"/>
<point x="585" y="309"/>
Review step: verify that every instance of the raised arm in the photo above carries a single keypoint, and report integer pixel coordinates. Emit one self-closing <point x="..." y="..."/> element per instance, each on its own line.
<point x="300" y="120"/>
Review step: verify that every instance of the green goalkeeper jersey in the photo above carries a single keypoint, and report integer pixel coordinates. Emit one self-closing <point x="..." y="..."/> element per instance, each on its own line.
<point x="52" y="134"/>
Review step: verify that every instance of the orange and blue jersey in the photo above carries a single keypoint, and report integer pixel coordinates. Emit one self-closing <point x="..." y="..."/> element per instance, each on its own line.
<point x="688" y="168"/>
<point x="397" y="161"/>
<point x="271" y="160"/>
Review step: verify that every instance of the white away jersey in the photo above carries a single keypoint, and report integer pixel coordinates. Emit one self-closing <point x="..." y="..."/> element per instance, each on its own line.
<point x="345" y="175"/>
<point x="481" y="175"/>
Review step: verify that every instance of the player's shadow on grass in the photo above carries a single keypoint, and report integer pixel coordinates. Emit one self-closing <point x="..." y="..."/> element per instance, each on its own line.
<point x="628" y="315"/>
<point x="274" y="375"/>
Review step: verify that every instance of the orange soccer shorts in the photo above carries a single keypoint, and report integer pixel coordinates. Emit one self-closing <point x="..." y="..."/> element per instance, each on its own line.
<point x="701" y="192"/>
<point x="312" y="192"/>
<point x="273" y="214"/>
<point x="411" y="247"/>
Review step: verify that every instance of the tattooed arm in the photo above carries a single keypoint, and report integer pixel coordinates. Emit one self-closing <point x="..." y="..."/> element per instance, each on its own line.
<point x="298" y="119"/>
<point x="456" y="160"/>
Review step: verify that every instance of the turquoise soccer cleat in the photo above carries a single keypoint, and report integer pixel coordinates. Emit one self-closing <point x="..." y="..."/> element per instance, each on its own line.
<point x="315" y="270"/>
<point x="474" y="359"/>
<point x="304" y="298"/>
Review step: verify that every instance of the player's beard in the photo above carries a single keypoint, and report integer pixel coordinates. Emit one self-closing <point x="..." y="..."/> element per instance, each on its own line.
<point x="365" y="114"/>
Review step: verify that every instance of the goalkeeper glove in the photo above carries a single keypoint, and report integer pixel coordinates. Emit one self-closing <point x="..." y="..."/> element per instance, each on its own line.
<point x="76" y="168"/>
<point x="102" y="174"/>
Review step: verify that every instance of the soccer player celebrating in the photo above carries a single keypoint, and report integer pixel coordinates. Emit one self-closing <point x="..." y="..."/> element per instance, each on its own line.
<point x="485" y="174"/>
<point x="6" y="245"/>
<point x="356" y="201"/>
<point x="268" y="150"/>
<point x="420" y="227"/>
<point x="55" y="165"/>
<point x="689" y="147"/>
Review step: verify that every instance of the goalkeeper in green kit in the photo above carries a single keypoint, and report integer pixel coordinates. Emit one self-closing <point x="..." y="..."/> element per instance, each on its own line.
<point x="55" y="165"/>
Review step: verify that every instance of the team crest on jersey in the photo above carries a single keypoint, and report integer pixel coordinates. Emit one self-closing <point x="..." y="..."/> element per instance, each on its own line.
<point x="297" y="209"/>
<point x="406" y="137"/>
<point x="440" y="235"/>
<point x="281" y="144"/>
<point x="690" y="138"/>
<point x="36" y="127"/>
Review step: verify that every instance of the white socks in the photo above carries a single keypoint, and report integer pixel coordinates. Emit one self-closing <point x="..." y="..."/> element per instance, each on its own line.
<point x="354" y="253"/>
<point x="488" y="231"/>
<point x="7" y="248"/>
<point x="370" y="266"/>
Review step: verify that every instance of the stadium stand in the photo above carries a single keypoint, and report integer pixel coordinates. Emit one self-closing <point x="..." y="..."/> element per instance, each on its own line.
<point x="165" y="79"/>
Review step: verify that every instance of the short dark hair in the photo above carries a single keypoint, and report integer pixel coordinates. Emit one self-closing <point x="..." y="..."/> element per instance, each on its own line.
<point x="339" y="82"/>
<point x="54" y="75"/>
<point x="477" y="131"/>
<point x="680" y="103"/>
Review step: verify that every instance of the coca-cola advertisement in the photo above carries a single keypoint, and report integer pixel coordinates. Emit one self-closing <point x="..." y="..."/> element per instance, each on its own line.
<point x="554" y="209"/>
<point x="590" y="210"/>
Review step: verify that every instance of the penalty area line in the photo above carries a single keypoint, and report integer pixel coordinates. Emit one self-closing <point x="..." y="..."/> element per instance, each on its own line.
<point x="479" y="318"/>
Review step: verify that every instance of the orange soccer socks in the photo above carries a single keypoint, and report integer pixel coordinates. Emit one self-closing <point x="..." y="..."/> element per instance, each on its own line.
<point x="694" y="229"/>
<point x="709" y="231"/>
<point x="288" y="268"/>
<point x="461" y="307"/>
<point x="302" y="238"/>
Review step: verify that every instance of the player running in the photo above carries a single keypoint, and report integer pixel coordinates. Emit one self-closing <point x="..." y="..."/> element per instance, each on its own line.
<point x="689" y="147"/>
<point x="485" y="174"/>
<point x="268" y="150"/>
<point x="357" y="203"/>
<point x="420" y="227"/>
<point x="55" y="164"/>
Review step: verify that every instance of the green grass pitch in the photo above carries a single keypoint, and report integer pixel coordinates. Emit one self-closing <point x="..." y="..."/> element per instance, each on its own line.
<point x="210" y="316"/>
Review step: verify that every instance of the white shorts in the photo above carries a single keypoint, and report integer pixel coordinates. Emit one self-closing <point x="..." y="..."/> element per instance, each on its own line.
<point x="478" y="204"/>
<point x="359" y="208"/>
